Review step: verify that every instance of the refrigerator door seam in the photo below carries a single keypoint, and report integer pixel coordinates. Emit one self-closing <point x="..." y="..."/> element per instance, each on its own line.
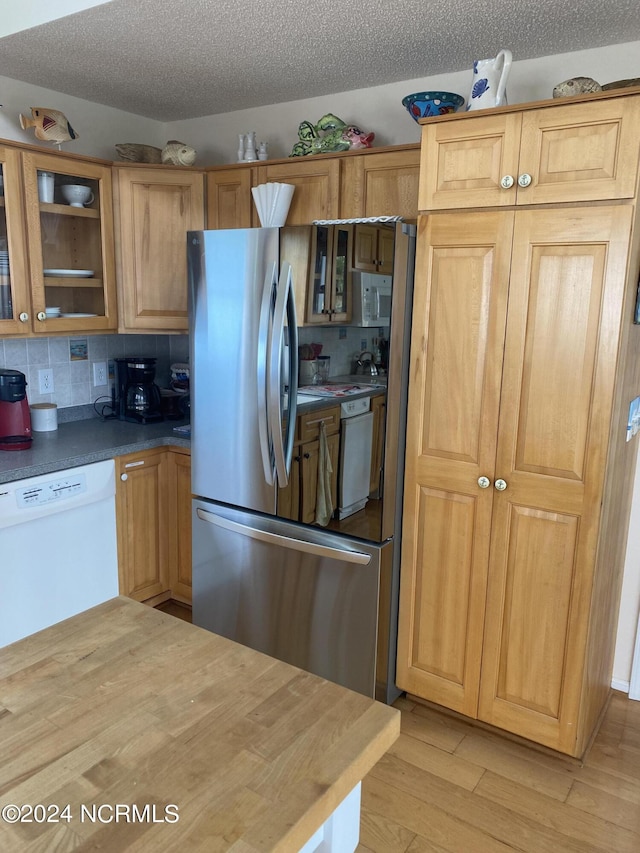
<point x="346" y="555"/>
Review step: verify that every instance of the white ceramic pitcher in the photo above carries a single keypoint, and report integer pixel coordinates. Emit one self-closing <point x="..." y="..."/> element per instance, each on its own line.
<point x="489" y="82"/>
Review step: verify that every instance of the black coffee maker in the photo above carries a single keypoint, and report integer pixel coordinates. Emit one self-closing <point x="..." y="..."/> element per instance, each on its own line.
<point x="137" y="397"/>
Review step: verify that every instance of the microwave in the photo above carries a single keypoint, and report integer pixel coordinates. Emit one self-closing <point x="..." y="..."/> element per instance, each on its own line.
<point x="371" y="299"/>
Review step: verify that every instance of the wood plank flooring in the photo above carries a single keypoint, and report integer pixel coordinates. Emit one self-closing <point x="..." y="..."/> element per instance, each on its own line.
<point x="447" y="785"/>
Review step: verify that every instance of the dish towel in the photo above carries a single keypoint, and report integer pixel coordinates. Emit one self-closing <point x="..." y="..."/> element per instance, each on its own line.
<point x="324" y="504"/>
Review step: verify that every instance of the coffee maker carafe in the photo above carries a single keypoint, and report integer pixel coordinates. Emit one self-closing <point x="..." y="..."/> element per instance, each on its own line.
<point x="137" y="395"/>
<point x="15" y="418"/>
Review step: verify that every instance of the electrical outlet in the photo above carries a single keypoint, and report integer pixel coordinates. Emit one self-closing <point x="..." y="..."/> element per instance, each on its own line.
<point x="45" y="379"/>
<point x="99" y="373"/>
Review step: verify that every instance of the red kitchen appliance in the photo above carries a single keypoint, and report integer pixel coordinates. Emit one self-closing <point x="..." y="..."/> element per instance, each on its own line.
<point x="15" y="418"/>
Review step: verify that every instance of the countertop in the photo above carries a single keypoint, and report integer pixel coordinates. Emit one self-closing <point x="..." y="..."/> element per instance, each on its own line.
<point x="93" y="439"/>
<point x="123" y="704"/>
<point x="82" y="442"/>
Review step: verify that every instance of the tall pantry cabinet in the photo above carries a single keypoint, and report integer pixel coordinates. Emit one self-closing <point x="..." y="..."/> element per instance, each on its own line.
<point x="524" y="361"/>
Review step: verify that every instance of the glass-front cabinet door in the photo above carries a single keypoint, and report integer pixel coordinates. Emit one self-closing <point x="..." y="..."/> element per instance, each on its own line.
<point x="70" y="235"/>
<point x="329" y="292"/>
<point x="341" y="273"/>
<point x="319" y="293"/>
<point x="15" y="306"/>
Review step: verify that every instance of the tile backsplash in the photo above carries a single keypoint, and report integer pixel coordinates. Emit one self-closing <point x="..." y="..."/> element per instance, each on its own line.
<point x="342" y="343"/>
<point x="73" y="373"/>
<point x="73" y="376"/>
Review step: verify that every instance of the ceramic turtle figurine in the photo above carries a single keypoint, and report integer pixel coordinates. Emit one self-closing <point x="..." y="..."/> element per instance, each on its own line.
<point x="330" y="134"/>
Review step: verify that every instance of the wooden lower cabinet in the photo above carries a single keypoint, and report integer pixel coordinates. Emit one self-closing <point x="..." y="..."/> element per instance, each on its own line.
<point x="518" y="474"/>
<point x="180" y="526"/>
<point x="298" y="501"/>
<point x="379" y="409"/>
<point x="142" y="501"/>
<point x="153" y="510"/>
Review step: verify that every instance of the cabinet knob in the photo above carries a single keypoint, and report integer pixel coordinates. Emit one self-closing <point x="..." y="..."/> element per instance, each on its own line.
<point x="524" y="180"/>
<point x="41" y="316"/>
<point x="501" y="485"/>
<point x="484" y="482"/>
<point x="124" y="477"/>
<point x="507" y="182"/>
<point x="24" y="317"/>
<point x="307" y="456"/>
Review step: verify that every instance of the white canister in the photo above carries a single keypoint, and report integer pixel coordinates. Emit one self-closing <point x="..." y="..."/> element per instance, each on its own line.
<point x="44" y="417"/>
<point x="46" y="183"/>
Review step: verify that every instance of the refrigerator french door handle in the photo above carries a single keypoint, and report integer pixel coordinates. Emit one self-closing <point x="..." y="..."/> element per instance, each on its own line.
<point x="274" y="377"/>
<point x="345" y="555"/>
<point x="265" y="331"/>
<point x="292" y="325"/>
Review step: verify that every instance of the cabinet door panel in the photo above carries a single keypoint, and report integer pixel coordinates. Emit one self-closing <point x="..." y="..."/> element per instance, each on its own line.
<point x="229" y="198"/>
<point x="557" y="391"/>
<point x="180" y="527"/>
<point x="578" y="153"/>
<point x="539" y="554"/>
<point x="380" y="184"/>
<point x="142" y="532"/>
<point x="14" y="278"/>
<point x="457" y="340"/>
<point x="63" y="237"/>
<point x="155" y="210"/>
<point x="317" y="187"/>
<point x="463" y="162"/>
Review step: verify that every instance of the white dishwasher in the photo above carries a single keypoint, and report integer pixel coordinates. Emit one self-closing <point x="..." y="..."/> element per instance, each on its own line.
<point x="356" y="438"/>
<point x="58" y="549"/>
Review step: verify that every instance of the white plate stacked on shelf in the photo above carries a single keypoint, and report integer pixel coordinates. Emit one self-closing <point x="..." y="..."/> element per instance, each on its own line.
<point x="52" y="312"/>
<point x="4" y="262"/>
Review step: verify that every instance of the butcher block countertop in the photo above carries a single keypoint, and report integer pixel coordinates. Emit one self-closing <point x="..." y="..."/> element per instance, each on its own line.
<point x="123" y="705"/>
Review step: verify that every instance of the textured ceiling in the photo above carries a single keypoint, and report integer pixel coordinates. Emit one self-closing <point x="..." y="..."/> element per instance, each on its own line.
<point x="177" y="59"/>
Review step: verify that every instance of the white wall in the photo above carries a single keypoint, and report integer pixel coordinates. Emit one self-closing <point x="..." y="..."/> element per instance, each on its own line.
<point x="23" y="16"/>
<point x="630" y="598"/>
<point x="379" y="108"/>
<point x="99" y="128"/>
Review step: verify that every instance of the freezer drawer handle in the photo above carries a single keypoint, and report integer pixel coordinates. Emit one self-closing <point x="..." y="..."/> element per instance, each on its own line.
<point x="284" y="541"/>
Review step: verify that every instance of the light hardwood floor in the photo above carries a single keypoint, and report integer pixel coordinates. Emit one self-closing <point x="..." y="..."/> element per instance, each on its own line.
<point x="447" y="785"/>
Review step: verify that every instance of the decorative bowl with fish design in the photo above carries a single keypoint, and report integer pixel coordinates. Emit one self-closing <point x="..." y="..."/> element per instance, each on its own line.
<point x="428" y="104"/>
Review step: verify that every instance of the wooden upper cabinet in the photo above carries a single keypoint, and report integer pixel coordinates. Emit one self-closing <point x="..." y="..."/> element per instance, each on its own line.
<point x="229" y="200"/>
<point x="373" y="248"/>
<point x="317" y="186"/>
<point x="560" y="152"/>
<point x="381" y="184"/>
<point x="71" y="248"/>
<point x="15" y="299"/>
<point x="154" y="209"/>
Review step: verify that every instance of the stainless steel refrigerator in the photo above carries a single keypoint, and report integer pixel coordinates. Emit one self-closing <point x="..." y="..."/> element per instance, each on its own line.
<point x="322" y="598"/>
